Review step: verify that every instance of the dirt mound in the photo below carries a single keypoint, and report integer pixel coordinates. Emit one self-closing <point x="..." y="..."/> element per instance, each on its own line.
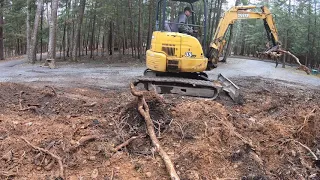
<point x="265" y="138"/>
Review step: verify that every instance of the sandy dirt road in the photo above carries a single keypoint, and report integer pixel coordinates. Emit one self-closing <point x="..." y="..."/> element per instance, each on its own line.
<point x="118" y="76"/>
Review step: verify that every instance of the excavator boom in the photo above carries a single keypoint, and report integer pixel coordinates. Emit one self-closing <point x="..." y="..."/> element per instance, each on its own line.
<point x="240" y="13"/>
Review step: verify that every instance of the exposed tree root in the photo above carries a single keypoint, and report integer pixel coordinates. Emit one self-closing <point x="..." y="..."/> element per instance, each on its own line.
<point x="7" y="174"/>
<point x="302" y="67"/>
<point x="126" y="143"/>
<point x="83" y="140"/>
<point x="276" y="52"/>
<point x="144" y="111"/>
<point x="307" y="148"/>
<point x="58" y="158"/>
<point x="305" y="122"/>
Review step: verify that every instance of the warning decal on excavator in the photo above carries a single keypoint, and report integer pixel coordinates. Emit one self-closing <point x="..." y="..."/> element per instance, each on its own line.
<point x="243" y="15"/>
<point x="188" y="54"/>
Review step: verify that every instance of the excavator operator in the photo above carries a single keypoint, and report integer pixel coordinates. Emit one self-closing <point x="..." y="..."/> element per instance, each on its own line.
<point x="181" y="23"/>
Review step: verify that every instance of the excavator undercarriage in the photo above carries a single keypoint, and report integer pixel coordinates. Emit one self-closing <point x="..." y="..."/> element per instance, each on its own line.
<point x="188" y="84"/>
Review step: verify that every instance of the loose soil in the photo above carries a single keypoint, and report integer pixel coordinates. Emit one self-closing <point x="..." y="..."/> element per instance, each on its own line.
<point x="207" y="140"/>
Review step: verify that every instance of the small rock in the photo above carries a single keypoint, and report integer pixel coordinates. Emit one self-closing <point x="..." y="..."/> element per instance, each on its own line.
<point x="312" y="176"/>
<point x="148" y="174"/>
<point x="90" y="110"/>
<point x="95" y="122"/>
<point x="68" y="116"/>
<point x="107" y="163"/>
<point x="29" y="124"/>
<point x="92" y="158"/>
<point x="39" y="168"/>
<point x="73" y="142"/>
<point x="94" y="174"/>
<point x="194" y="175"/>
<point x="15" y="122"/>
<point x="238" y="110"/>
<point x="253" y="120"/>
<point x="73" y="177"/>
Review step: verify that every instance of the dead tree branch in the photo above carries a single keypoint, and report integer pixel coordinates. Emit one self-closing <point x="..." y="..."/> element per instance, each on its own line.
<point x="7" y="174"/>
<point x="307" y="148"/>
<point x="83" y="140"/>
<point x="144" y="111"/>
<point x="301" y="66"/>
<point x="58" y="158"/>
<point x="126" y="143"/>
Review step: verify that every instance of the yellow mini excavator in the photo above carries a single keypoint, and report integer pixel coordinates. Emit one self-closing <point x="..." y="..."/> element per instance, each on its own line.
<point x="176" y="62"/>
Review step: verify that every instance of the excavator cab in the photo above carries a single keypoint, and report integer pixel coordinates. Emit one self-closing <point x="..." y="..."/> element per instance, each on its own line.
<point x="162" y="24"/>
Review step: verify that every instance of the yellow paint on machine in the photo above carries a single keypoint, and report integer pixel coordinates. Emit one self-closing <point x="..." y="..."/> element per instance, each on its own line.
<point x="175" y="52"/>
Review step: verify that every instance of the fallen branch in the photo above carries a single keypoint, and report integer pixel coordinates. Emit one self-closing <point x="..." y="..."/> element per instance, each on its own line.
<point x="7" y="174"/>
<point x="33" y="108"/>
<point x="302" y="67"/>
<point x="144" y="111"/>
<point x="83" y="140"/>
<point x="307" y="148"/>
<point x="126" y="143"/>
<point x="90" y="105"/>
<point x="58" y="158"/>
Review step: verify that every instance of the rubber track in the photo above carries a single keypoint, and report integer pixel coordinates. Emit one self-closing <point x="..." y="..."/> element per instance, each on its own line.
<point x="192" y="82"/>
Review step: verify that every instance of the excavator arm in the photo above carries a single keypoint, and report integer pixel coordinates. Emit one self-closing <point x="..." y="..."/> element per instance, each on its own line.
<point x="230" y="17"/>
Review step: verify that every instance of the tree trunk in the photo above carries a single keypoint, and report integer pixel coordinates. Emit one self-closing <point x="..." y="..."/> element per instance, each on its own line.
<point x="111" y="39"/>
<point x="98" y="41"/>
<point x="131" y="27"/>
<point x="124" y="37"/>
<point x="104" y="37"/>
<point x="140" y="31"/>
<point x="28" y="31"/>
<point x="150" y="23"/>
<point x="217" y="18"/>
<point x="33" y="41"/>
<point x="53" y="31"/>
<point x="41" y="36"/>
<point x="64" y="34"/>
<point x="1" y="31"/>
<point x="78" y="31"/>
<point x="92" y="35"/>
<point x="227" y="52"/>
<point x="172" y="9"/>
<point x="308" y="33"/>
